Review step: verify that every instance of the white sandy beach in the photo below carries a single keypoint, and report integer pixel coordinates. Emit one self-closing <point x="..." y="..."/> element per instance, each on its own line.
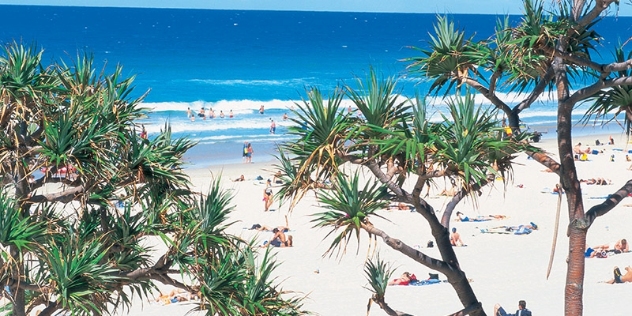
<point x="504" y="268"/>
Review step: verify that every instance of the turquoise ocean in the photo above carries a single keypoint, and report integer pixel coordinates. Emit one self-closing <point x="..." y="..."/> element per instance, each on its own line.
<point x="240" y="60"/>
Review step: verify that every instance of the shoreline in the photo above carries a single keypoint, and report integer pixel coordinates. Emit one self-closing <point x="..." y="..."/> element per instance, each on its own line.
<point x="203" y="156"/>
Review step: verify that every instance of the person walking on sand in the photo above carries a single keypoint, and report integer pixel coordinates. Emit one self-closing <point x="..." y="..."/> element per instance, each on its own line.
<point x="272" y="126"/>
<point x="268" y="197"/>
<point x="244" y="152"/>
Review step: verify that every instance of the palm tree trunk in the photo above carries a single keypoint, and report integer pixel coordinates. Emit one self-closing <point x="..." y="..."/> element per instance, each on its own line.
<point x="573" y="303"/>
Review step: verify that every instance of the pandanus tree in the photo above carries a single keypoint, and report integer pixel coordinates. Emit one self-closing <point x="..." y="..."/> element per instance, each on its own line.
<point x="69" y="154"/>
<point x="546" y="52"/>
<point x="396" y="140"/>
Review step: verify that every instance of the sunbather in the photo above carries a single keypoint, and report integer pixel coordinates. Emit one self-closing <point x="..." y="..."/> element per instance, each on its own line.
<point x="618" y="246"/>
<point x="618" y="278"/>
<point x="264" y="228"/>
<point x="455" y="238"/>
<point x="175" y="296"/>
<point x="400" y="207"/>
<point x="279" y="239"/>
<point x="402" y="280"/>
<point x="597" y="181"/>
<point x="480" y="218"/>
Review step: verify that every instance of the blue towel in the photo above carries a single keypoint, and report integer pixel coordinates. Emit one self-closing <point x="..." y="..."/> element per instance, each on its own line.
<point x="424" y="282"/>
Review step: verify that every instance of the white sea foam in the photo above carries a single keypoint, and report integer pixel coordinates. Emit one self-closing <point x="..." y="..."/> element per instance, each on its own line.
<point x="237" y="106"/>
<point x="215" y="125"/>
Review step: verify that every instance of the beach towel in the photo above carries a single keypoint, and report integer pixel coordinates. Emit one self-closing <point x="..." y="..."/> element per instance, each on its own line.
<point x="495" y="230"/>
<point x="424" y="282"/>
<point x="477" y="219"/>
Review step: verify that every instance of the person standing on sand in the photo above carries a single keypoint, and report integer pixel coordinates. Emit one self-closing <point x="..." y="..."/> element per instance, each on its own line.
<point x="143" y="132"/>
<point x="244" y="152"/>
<point x="250" y="153"/>
<point x="272" y="126"/>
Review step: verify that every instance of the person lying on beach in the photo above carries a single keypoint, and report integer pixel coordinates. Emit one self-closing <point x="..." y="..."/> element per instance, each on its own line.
<point x="448" y="192"/>
<point x="480" y="218"/>
<point x="400" y="207"/>
<point x="175" y="296"/>
<point x="264" y="228"/>
<point x="516" y="230"/>
<point x="618" y="278"/>
<point x="597" y="181"/>
<point x="455" y="238"/>
<point x="279" y="239"/>
<point x="618" y="246"/>
<point x="522" y="310"/>
<point x="404" y="279"/>
<point x="240" y="179"/>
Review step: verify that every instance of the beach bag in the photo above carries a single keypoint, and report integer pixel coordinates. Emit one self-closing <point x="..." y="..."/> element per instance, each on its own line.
<point x="430" y="244"/>
<point x="259" y="178"/>
<point x="433" y="276"/>
<point x="583" y="157"/>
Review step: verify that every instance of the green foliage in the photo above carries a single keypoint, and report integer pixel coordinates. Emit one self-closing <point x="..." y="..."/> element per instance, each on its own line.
<point x="447" y="53"/>
<point x="319" y="125"/>
<point x="80" y="278"/>
<point x="85" y="255"/>
<point x="15" y="230"/>
<point x="607" y="104"/>
<point x="378" y="273"/>
<point x="350" y="207"/>
<point x="236" y="285"/>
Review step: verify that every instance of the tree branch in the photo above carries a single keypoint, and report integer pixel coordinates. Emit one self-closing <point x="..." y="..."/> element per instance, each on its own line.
<point x="612" y="201"/>
<point x="387" y="309"/>
<point x="491" y="96"/>
<point x="410" y="252"/>
<point x="66" y="196"/>
<point x="589" y="91"/>
<point x="600" y="6"/>
<point x="536" y="92"/>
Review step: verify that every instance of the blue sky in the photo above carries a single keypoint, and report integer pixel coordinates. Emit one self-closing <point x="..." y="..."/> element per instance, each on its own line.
<point x="411" y="6"/>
